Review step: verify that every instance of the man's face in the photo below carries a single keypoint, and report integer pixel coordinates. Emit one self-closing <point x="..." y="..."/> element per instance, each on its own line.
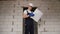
<point x="30" y="7"/>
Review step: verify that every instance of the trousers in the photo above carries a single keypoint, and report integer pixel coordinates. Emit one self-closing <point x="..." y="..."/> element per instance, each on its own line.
<point x="29" y="27"/>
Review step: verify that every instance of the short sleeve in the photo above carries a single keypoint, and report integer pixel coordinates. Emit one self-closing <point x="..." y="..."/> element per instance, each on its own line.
<point x="25" y="11"/>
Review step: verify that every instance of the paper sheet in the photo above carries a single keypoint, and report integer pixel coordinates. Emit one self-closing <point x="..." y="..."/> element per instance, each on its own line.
<point x="38" y="15"/>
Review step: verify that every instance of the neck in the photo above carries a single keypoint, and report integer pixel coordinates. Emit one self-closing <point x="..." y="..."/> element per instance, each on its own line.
<point x="29" y="9"/>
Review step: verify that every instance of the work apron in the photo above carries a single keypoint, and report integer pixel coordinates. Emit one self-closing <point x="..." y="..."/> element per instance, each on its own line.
<point x="29" y="25"/>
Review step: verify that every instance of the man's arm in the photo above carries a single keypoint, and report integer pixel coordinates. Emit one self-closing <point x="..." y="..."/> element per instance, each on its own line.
<point x="25" y="14"/>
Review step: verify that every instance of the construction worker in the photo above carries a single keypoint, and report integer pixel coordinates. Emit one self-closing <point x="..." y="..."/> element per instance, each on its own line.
<point x="29" y="24"/>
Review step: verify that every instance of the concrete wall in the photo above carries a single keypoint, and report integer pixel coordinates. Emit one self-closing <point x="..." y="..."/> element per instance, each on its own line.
<point x="11" y="16"/>
<point x="50" y="23"/>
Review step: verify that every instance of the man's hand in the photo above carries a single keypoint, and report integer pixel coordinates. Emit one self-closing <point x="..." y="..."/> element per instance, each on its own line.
<point x="31" y="14"/>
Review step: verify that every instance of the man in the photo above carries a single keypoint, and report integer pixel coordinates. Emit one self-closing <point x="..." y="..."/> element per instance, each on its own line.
<point x="29" y="24"/>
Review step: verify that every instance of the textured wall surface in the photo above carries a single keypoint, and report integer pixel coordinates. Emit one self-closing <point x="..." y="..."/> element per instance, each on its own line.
<point x="11" y="21"/>
<point x="10" y="18"/>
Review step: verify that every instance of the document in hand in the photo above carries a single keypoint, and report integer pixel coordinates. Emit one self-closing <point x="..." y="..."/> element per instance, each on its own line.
<point x="37" y="15"/>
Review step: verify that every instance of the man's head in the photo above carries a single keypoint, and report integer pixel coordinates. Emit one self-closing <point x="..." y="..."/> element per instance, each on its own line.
<point x="30" y="5"/>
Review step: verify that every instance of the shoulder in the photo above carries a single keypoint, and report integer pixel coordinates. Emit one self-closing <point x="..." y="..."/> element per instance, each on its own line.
<point x="25" y="11"/>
